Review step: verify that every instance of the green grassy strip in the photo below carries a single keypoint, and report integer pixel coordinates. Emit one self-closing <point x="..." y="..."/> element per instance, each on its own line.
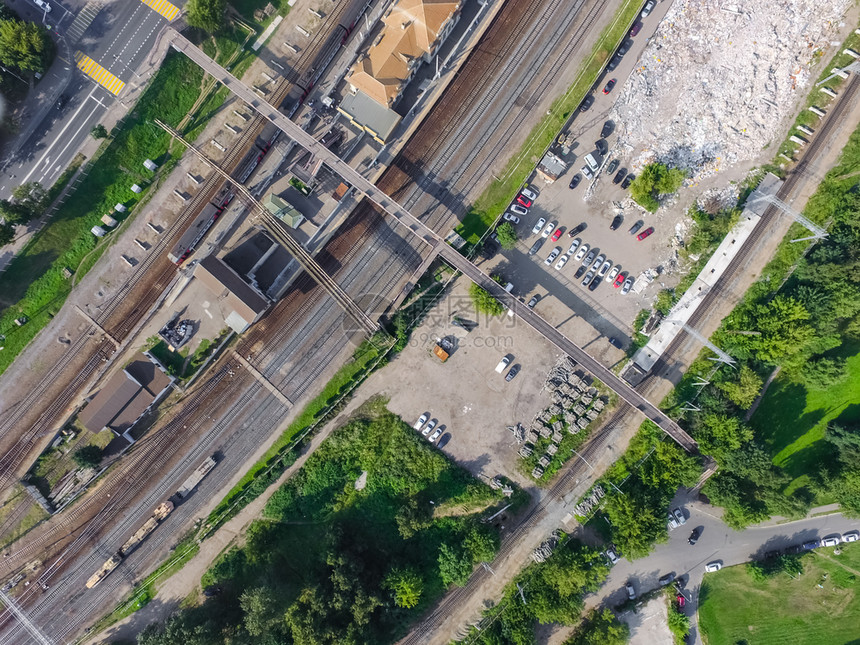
<point x="34" y="280"/>
<point x="818" y="98"/>
<point x="496" y="197"/>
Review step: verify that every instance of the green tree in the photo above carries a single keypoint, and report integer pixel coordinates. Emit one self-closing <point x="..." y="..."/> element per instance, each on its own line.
<point x="665" y="301"/>
<point x="30" y="199"/>
<point x="7" y="233"/>
<point x="679" y="624"/>
<point x="208" y="15"/>
<point x="846" y="490"/>
<point x="13" y="213"/>
<point x="823" y="373"/>
<point x="600" y="627"/>
<point x="507" y="235"/>
<point x="88" y="456"/>
<point x="99" y="131"/>
<point x="484" y="302"/>
<point x="655" y="179"/>
<point x="743" y="391"/>
<point x="455" y="565"/>
<point x="636" y="524"/>
<point x="25" y="45"/>
<point x="846" y="440"/>
<point x="718" y="434"/>
<point x="482" y="543"/>
<point x="406" y="585"/>
<point x="261" y="610"/>
<point x="784" y="331"/>
<point x="557" y="586"/>
<point x="412" y="517"/>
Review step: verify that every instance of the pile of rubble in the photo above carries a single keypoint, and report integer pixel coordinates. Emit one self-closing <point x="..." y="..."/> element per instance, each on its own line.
<point x="546" y="548"/>
<point x="718" y="80"/>
<point x="575" y="405"/>
<point x="589" y="501"/>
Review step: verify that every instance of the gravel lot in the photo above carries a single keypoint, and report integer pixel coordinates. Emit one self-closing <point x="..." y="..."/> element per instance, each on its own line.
<point x="473" y="403"/>
<point x="648" y="624"/>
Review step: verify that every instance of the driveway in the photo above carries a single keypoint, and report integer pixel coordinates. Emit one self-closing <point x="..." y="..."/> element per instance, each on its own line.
<point x="717" y="542"/>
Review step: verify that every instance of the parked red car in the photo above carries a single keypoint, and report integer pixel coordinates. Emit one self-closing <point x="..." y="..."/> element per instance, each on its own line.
<point x="557" y="233"/>
<point x="645" y="233"/>
<point x="608" y="88"/>
<point x="525" y="201"/>
<point x="636" y="29"/>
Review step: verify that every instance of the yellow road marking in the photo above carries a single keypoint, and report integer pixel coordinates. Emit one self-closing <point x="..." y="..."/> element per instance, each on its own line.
<point x="98" y="73"/>
<point x="166" y="9"/>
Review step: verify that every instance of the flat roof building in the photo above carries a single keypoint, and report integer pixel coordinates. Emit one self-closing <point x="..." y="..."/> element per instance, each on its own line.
<point x="241" y="304"/>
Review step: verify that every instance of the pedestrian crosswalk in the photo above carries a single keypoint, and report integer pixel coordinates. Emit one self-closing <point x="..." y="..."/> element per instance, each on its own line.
<point x="166" y="9"/>
<point x="98" y="73"/>
<point x="82" y="21"/>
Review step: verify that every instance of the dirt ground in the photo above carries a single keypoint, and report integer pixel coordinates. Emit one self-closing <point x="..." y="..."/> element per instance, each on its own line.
<point x="648" y="624"/>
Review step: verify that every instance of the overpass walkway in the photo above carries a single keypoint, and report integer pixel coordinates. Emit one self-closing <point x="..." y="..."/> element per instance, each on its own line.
<point x="432" y="239"/>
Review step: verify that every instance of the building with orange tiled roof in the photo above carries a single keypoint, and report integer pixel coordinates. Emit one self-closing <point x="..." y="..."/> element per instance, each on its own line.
<point x="412" y="32"/>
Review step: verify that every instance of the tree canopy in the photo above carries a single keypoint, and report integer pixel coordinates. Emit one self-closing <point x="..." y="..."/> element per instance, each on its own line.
<point x="484" y="302"/>
<point x="507" y="235"/>
<point x="655" y="179"/>
<point x="208" y="15"/>
<point x="25" y="46"/>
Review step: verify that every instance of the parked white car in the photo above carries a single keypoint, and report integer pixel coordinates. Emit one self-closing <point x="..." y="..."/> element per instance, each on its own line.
<point x="713" y="566"/>
<point x="429" y="427"/>
<point x="532" y="195"/>
<point x="421" y="421"/>
<point x="549" y="228"/>
<point x="561" y="262"/>
<point x="519" y="210"/>
<point x="832" y="540"/>
<point x="553" y="255"/>
<point x="852" y="536"/>
<point x="432" y="438"/>
<point x="573" y="246"/>
<point x="613" y="273"/>
<point x="537" y="228"/>
<point x="581" y="253"/>
<point x="510" y="217"/>
<point x="44" y="6"/>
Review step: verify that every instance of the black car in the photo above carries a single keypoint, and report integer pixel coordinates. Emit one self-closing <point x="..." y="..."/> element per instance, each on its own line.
<point x="811" y="544"/>
<point x="612" y="167"/>
<point x="635" y="228"/>
<point x="512" y="372"/>
<point x="669" y="577"/>
<point x="625" y="47"/>
<point x="627" y="181"/>
<point x="533" y="302"/>
<point x="602" y="146"/>
<point x="536" y="246"/>
<point x="608" y="128"/>
<point x="619" y="176"/>
<point x="694" y="536"/>
<point x="587" y="102"/>
<point x="574" y="181"/>
<point x="613" y="63"/>
<point x="579" y="272"/>
<point x="615" y="342"/>
<point x="61" y="102"/>
<point x="576" y="230"/>
<point x="595" y="282"/>
<point x="616" y="222"/>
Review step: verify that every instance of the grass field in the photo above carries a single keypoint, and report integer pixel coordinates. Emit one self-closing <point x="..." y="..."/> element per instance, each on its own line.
<point x="735" y="609"/>
<point x="791" y="419"/>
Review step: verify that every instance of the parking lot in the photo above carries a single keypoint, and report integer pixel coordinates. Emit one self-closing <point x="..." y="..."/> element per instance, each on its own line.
<point x="595" y="203"/>
<point x="465" y="394"/>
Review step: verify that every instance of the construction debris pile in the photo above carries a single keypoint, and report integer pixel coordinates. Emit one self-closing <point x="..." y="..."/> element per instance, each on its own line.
<point x="718" y="80"/>
<point x="546" y="548"/>
<point x="575" y="405"/>
<point x="589" y="501"/>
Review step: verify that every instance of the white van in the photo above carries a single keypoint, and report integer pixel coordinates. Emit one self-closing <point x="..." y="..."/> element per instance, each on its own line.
<point x="506" y="360"/>
<point x="592" y="162"/>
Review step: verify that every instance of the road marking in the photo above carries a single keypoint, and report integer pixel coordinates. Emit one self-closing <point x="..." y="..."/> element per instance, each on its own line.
<point x="98" y="73"/>
<point x="59" y="137"/>
<point x="72" y="138"/>
<point x="166" y="9"/>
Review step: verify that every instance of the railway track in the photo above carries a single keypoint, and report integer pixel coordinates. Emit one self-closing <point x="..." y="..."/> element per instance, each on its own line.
<point x="120" y="314"/>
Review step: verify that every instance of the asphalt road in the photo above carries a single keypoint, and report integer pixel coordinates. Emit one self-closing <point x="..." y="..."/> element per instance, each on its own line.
<point x="120" y="38"/>
<point x="717" y="543"/>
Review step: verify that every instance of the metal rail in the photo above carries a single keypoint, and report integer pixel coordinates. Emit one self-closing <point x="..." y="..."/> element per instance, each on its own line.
<point x="430" y="237"/>
<point x="277" y="229"/>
